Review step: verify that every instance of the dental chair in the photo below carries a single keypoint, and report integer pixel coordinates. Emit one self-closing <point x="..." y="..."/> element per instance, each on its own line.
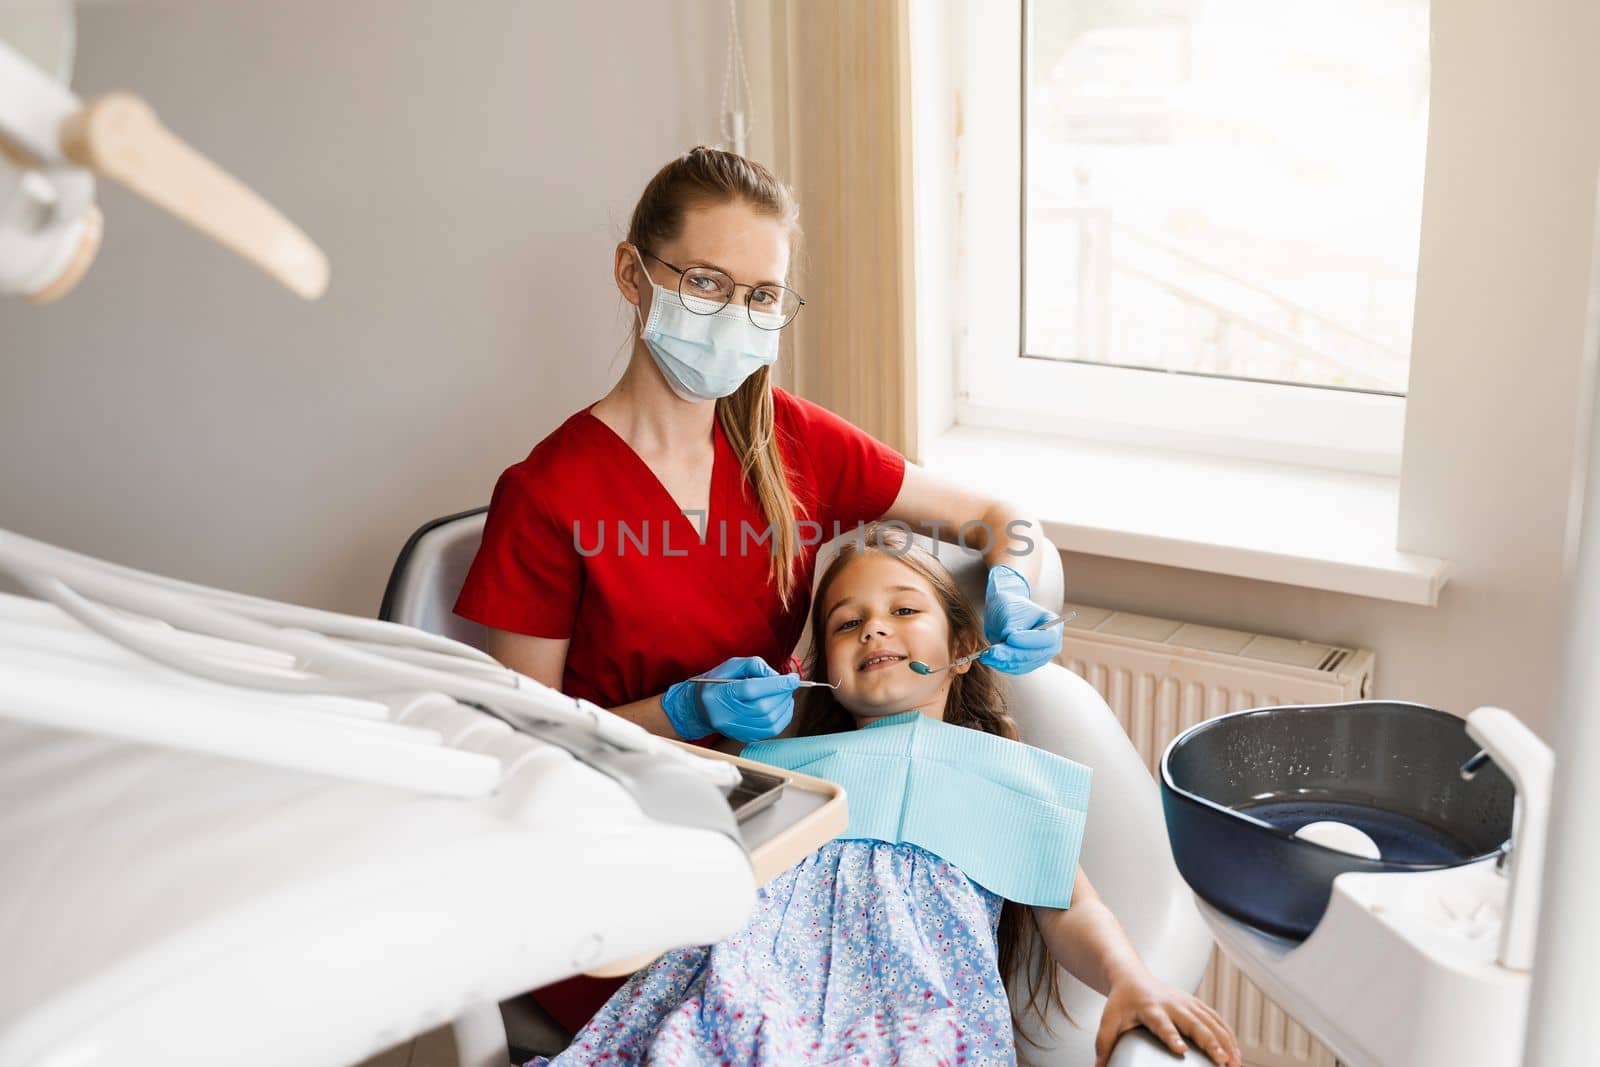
<point x="1125" y="849"/>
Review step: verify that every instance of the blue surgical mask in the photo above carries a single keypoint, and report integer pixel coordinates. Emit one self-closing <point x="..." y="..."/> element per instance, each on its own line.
<point x="703" y="357"/>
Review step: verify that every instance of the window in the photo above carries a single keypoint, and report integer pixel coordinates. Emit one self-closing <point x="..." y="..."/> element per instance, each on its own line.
<point x="1213" y="222"/>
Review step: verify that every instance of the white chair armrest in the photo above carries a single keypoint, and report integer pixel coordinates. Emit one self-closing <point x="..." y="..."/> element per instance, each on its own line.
<point x="1138" y="1048"/>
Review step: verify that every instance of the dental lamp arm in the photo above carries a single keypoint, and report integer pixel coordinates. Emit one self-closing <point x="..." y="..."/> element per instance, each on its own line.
<point x="51" y="147"/>
<point x="119" y="137"/>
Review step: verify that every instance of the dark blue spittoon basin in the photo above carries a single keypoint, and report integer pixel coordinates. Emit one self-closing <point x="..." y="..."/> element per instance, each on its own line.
<point x="1236" y="788"/>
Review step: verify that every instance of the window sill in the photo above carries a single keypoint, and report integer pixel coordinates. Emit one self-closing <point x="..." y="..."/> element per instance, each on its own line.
<point x="1301" y="526"/>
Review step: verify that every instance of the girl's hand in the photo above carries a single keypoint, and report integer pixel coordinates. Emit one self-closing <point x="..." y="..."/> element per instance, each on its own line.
<point x="1142" y="999"/>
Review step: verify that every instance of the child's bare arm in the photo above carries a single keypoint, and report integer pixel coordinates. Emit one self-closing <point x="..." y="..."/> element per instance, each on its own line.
<point x="1088" y="941"/>
<point x="1086" y="938"/>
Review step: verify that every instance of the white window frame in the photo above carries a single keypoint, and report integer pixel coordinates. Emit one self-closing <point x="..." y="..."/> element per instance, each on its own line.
<point x="998" y="386"/>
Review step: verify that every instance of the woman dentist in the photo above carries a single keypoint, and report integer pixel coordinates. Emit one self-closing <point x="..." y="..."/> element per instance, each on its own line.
<point x="671" y="528"/>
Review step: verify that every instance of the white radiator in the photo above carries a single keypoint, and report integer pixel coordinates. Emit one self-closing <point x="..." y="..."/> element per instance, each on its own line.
<point x="1161" y="677"/>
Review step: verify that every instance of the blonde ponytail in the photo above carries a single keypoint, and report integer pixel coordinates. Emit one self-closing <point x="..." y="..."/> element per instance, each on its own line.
<point x="704" y="176"/>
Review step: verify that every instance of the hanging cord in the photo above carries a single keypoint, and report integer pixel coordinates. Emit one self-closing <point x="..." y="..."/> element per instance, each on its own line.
<point x="735" y="97"/>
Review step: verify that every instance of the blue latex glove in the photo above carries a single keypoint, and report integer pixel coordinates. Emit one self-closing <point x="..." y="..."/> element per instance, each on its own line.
<point x="1007" y="614"/>
<point x="751" y="710"/>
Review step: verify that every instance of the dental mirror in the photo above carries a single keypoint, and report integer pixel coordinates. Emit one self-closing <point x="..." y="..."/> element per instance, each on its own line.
<point x="922" y="668"/>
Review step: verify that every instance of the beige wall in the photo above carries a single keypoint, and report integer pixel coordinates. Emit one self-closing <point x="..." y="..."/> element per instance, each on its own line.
<point x="467" y="168"/>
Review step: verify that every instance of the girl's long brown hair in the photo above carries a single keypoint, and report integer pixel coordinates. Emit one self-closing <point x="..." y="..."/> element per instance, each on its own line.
<point x="709" y="176"/>
<point x="975" y="700"/>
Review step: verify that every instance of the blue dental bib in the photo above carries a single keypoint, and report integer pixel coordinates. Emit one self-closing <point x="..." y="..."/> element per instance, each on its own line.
<point x="1009" y="815"/>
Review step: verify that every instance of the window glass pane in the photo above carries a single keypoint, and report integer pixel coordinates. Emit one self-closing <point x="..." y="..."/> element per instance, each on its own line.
<point x="1226" y="187"/>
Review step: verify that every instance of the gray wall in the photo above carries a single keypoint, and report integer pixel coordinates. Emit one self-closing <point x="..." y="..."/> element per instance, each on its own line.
<point x="467" y="167"/>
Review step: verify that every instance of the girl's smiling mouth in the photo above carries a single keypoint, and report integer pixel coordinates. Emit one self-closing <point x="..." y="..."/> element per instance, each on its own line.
<point x="877" y="661"/>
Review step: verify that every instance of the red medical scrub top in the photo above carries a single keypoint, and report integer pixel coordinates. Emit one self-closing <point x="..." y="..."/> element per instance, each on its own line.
<point x="583" y="542"/>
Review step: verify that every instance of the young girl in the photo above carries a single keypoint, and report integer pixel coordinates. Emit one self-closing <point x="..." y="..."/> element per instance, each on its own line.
<point x="870" y="951"/>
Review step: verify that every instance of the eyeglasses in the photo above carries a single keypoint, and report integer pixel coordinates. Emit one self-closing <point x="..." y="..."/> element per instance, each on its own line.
<point x="706" y="291"/>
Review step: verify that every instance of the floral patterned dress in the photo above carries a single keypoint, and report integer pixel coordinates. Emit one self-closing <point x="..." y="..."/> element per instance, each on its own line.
<point x="866" y="953"/>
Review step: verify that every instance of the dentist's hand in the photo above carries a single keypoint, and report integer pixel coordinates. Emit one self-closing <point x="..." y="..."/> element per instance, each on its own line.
<point x="1007" y="614"/>
<point x="754" y="709"/>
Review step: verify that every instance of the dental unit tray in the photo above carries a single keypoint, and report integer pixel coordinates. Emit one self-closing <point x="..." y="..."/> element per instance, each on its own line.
<point x="1416" y="956"/>
<point x="317" y="844"/>
<point x="756" y="792"/>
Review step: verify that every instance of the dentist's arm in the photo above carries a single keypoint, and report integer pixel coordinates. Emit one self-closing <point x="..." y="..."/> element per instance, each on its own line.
<point x="940" y="509"/>
<point x="758" y="705"/>
<point x="544" y="659"/>
<point x="1010" y="545"/>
